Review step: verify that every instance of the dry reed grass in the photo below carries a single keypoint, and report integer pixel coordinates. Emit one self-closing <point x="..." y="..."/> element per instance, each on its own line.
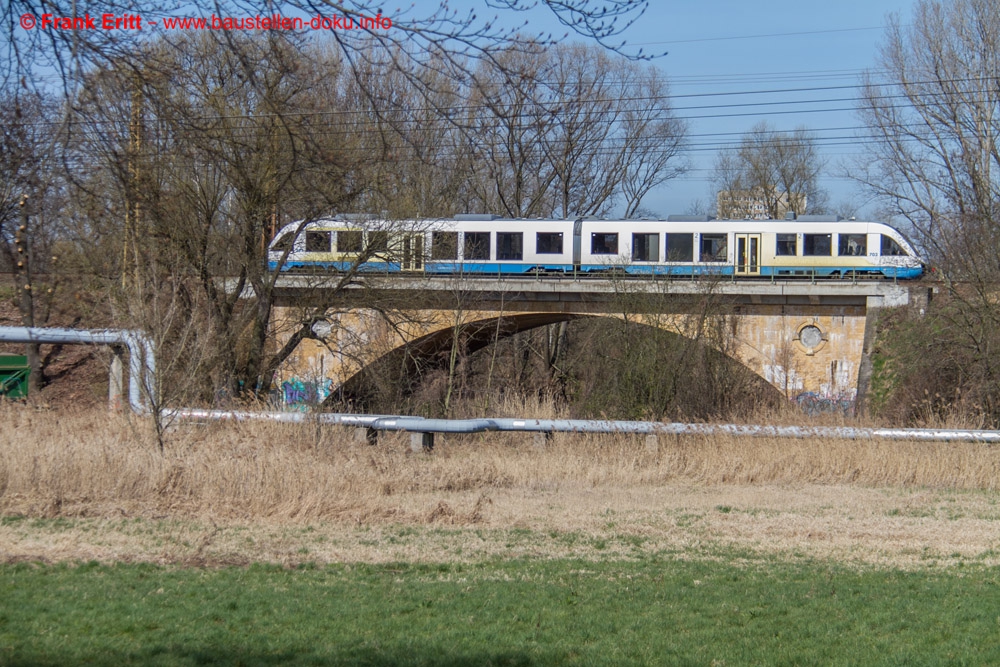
<point x="775" y="493"/>
<point x="85" y="463"/>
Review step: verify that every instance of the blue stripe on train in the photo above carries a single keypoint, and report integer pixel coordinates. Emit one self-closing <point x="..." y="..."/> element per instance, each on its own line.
<point x="827" y="271"/>
<point x="292" y="265"/>
<point x="512" y="268"/>
<point x="493" y="267"/>
<point x="496" y="268"/>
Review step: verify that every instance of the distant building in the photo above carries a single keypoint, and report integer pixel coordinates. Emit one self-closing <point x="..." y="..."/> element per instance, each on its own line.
<point x="754" y="205"/>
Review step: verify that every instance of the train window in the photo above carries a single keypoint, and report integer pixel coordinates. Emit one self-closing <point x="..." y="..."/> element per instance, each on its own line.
<point x="645" y="247"/>
<point x="378" y="241"/>
<point x="680" y="247"/>
<point x="890" y="247"/>
<point x="602" y="243"/>
<point x="787" y="245"/>
<point x="852" y="244"/>
<point x="713" y="248"/>
<point x="284" y="243"/>
<point x="816" y="244"/>
<point x="444" y="245"/>
<point x="477" y="245"/>
<point x="510" y="245"/>
<point x="317" y="241"/>
<point x="349" y="241"/>
<point x="549" y="243"/>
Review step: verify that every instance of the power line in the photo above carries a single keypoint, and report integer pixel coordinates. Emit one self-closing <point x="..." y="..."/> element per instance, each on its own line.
<point x="760" y="36"/>
<point x="452" y="114"/>
<point x="454" y="152"/>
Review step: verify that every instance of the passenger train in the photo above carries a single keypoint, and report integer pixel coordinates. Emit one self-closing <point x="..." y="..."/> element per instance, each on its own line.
<point x="806" y="246"/>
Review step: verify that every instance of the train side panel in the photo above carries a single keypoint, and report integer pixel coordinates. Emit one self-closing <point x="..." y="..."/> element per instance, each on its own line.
<point x="502" y="247"/>
<point x="486" y="245"/>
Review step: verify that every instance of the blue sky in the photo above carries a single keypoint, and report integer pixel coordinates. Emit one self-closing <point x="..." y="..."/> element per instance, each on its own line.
<point x="731" y="46"/>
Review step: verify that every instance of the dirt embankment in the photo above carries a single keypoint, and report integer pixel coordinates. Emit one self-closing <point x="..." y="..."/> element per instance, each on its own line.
<point x="74" y="375"/>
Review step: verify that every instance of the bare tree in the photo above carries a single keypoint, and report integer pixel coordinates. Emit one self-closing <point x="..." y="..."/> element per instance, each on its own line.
<point x="570" y="131"/>
<point x="206" y="169"/>
<point x="30" y="200"/>
<point x="931" y="109"/>
<point x="768" y="174"/>
<point x="506" y="125"/>
<point x="653" y="140"/>
<point x="413" y="163"/>
<point x="585" y="116"/>
<point x="614" y="136"/>
<point x="273" y="160"/>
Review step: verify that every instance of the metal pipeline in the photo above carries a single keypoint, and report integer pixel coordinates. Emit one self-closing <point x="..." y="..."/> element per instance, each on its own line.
<point x="142" y="361"/>
<point x="421" y="425"/>
<point x="330" y="418"/>
<point x="425" y="425"/>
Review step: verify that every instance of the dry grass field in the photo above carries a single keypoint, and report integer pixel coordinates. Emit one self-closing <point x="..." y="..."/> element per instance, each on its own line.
<point x="90" y="485"/>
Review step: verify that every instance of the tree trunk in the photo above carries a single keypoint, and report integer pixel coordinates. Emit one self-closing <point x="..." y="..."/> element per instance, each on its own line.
<point x="26" y="301"/>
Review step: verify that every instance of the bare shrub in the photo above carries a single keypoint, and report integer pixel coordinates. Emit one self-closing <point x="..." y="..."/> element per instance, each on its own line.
<point x="930" y="370"/>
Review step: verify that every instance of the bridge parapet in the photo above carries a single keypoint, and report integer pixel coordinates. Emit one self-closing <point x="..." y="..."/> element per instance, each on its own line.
<point x="890" y="294"/>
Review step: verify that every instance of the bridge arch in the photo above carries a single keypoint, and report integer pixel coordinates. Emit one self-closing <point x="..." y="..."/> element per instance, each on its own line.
<point x="409" y="359"/>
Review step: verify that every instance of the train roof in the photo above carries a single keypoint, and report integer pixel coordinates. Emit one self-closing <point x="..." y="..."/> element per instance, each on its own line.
<point x="366" y="221"/>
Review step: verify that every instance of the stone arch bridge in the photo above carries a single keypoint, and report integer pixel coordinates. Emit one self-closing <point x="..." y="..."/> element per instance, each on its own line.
<point x="806" y="339"/>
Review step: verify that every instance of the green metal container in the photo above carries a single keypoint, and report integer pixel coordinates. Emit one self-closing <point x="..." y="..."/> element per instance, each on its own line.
<point x="14" y="373"/>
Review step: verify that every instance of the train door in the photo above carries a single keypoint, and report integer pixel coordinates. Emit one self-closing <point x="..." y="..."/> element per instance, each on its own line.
<point x="577" y="243"/>
<point x="748" y="254"/>
<point x="413" y="252"/>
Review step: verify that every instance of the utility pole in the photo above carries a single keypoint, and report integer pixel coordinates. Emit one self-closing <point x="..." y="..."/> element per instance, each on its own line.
<point x="22" y="274"/>
<point x="130" y="247"/>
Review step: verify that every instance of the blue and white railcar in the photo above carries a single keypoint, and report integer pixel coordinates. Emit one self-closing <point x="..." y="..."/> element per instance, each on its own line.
<point x="678" y="246"/>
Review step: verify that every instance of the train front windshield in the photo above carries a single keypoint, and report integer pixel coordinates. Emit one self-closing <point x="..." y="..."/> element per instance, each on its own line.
<point x="891" y="248"/>
<point x="284" y="243"/>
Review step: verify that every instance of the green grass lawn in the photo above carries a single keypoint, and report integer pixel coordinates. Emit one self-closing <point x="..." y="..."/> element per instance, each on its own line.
<point x="537" y="612"/>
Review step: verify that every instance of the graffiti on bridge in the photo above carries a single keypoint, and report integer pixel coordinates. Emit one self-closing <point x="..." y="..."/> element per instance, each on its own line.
<point x="302" y="394"/>
<point x="814" y="404"/>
